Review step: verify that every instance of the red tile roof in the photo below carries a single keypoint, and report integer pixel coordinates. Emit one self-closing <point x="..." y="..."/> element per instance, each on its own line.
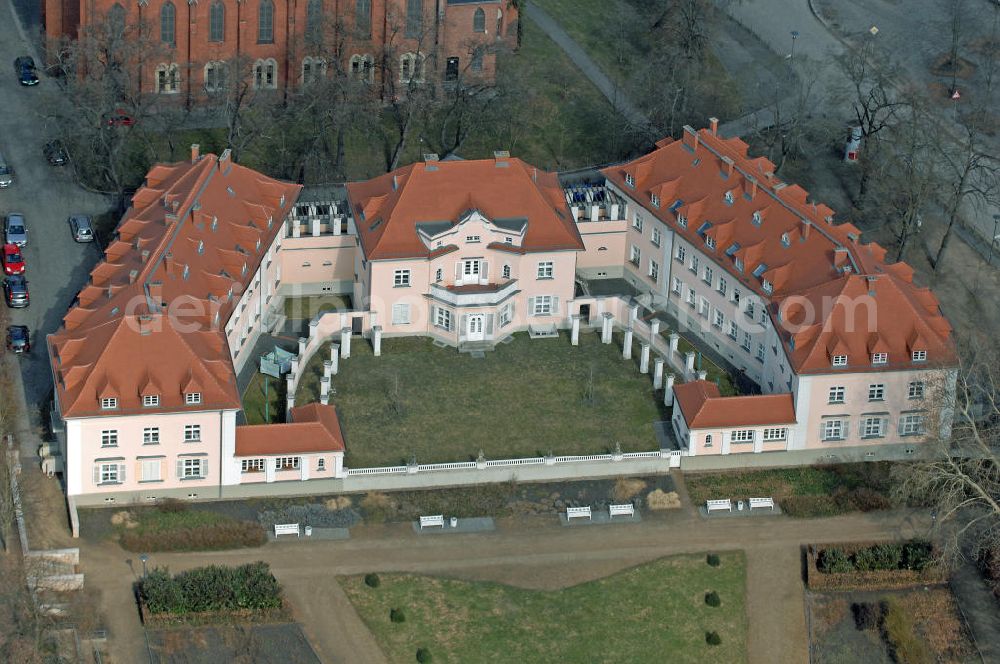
<point x="388" y="208"/>
<point x="704" y="408"/>
<point x="763" y="230"/>
<point x="145" y="324"/>
<point x="313" y="428"/>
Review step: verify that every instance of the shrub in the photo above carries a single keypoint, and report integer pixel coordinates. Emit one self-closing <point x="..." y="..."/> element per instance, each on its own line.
<point x="917" y="555"/>
<point x="372" y="580"/>
<point x="212" y="588"/>
<point x="397" y="615"/>
<point x="713" y="638"/>
<point x="172" y="505"/>
<point x="865" y="499"/>
<point x="897" y="631"/>
<point x="878" y="557"/>
<point x="713" y="560"/>
<point x="712" y="599"/>
<point x="202" y="537"/>
<point x="866" y="615"/>
<point x="834" y="561"/>
<point x="424" y="656"/>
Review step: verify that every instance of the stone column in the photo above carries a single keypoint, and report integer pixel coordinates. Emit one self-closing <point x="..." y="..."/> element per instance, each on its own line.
<point x="657" y="373"/>
<point x="302" y="346"/>
<point x="627" y="344"/>
<point x="345" y="342"/>
<point x="335" y="358"/>
<point x="689" y="362"/>
<point x="377" y="340"/>
<point x="668" y="391"/>
<point x="575" y="338"/>
<point x="327" y="368"/>
<point x="607" y="325"/>
<point x="289" y="404"/>
<point x="315" y="225"/>
<point x="296" y="229"/>
<point x="335" y="220"/>
<point x="313" y="327"/>
<point x="702" y="375"/>
<point x="674" y="338"/>
<point x="324" y="387"/>
<point x="654" y="328"/>
<point x="325" y="400"/>
<point x="294" y="364"/>
<point x="644" y="359"/>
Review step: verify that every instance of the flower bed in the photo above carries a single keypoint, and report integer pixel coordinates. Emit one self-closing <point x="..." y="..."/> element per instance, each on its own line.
<point x="873" y="566"/>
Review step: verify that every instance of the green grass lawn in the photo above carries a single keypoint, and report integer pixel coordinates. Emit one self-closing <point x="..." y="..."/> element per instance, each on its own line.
<point x="254" y="399"/>
<point x="603" y="28"/>
<point x="651" y="613"/>
<point x="524" y="399"/>
<point x="713" y="372"/>
<point x="307" y="307"/>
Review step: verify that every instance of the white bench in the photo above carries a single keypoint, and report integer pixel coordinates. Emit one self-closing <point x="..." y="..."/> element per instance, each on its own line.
<point x="713" y="505"/>
<point x="628" y="509"/>
<point x="762" y="502"/>
<point x="578" y="512"/>
<point x="286" y="529"/>
<point x="432" y="521"/>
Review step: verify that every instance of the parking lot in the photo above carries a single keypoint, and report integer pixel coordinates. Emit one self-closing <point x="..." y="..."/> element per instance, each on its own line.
<point x="46" y="195"/>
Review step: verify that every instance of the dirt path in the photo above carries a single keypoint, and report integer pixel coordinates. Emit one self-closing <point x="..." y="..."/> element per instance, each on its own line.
<point x="532" y="553"/>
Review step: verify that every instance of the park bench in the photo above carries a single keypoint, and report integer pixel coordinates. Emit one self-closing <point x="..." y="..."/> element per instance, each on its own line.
<point x="286" y="529"/>
<point x="432" y="521"/>
<point x="713" y="505"/>
<point x="577" y="512"/>
<point x="628" y="509"/>
<point x="762" y="502"/>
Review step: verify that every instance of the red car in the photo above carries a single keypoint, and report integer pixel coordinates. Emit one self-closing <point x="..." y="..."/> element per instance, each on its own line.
<point x="13" y="261"/>
<point x="120" y="119"/>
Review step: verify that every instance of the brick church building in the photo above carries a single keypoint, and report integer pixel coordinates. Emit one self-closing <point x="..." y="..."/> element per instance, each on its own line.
<point x="284" y="44"/>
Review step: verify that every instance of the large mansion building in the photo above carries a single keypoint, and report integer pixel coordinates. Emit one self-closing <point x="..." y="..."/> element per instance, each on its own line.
<point x="191" y="49"/>
<point x="844" y="347"/>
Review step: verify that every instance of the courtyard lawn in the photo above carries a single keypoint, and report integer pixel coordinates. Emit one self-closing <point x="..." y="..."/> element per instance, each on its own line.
<point x="713" y="372"/>
<point x="651" y="613"/>
<point x="526" y="398"/>
<point x="255" y="396"/>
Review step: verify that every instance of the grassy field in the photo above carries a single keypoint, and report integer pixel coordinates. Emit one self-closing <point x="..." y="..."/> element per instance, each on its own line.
<point x="604" y="30"/>
<point x="651" y="613"/>
<point x="524" y="399"/>
<point x="805" y="491"/>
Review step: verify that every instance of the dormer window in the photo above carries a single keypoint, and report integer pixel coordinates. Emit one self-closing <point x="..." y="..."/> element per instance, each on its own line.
<point x="508" y="239"/>
<point x="739" y="264"/>
<point x="656" y="200"/>
<point x="201" y="246"/>
<point x="784" y="239"/>
<point x="729" y="197"/>
<point x="756" y="219"/>
<point x="682" y="221"/>
<point x="258" y="244"/>
<point x="710" y="242"/>
<point x="187" y="271"/>
<point x="840" y="360"/>
<point x="630" y="180"/>
<point x="768" y="288"/>
<point x="919" y="356"/>
<point x="109" y="403"/>
<point x="472" y="238"/>
<point x="150" y="400"/>
<point x="192" y="398"/>
<point x="880" y="358"/>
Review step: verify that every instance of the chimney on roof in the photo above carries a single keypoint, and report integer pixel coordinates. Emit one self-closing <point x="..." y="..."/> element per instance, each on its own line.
<point x="729" y="166"/>
<point x="144" y="255"/>
<point x="853" y="237"/>
<point x="713" y="126"/>
<point x="132" y="274"/>
<point x="156" y="291"/>
<point x="195" y="152"/>
<point x="753" y="187"/>
<point x="168" y="261"/>
<point x="871" y="284"/>
<point x="690" y="138"/>
<point x="806" y="227"/>
<point x="225" y="160"/>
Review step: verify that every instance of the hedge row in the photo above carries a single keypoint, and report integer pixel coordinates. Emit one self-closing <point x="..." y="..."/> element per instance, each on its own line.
<point x="874" y="566"/>
<point x="207" y="537"/>
<point x="249" y="587"/>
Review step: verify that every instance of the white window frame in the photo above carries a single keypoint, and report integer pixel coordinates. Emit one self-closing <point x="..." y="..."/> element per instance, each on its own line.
<point x="442" y="318"/>
<point x="655" y="237"/>
<point x="775" y="434"/>
<point x="915" y="390"/>
<point x="109" y="438"/>
<point x="321" y="465"/>
<point x="473" y="239"/>
<point x="191" y="468"/>
<point x="506" y="316"/>
<point x="876" y="392"/>
<point x="708" y="274"/>
<point x="287" y="463"/>
<point x="252" y="465"/>
<point x="720" y="319"/>
<point x="760" y="351"/>
<point x="838" y="394"/>
<point x="880" y="358"/>
<point x="401" y="313"/>
<point x="546" y="270"/>
<point x="505" y="272"/>
<point x="872" y="426"/>
<point x="833" y="429"/>
<point x="677" y="286"/>
<point x="918" y="356"/>
<point x="192" y="398"/>
<point x="734" y="330"/>
<point x="151" y="435"/>
<point x="742" y="436"/>
<point x="192" y="433"/>
<point x="542" y="305"/>
<point x="634" y="255"/>
<point x="150" y="400"/>
<point x="911" y="424"/>
<point x="654" y="271"/>
<point x="681" y="253"/>
<point x="109" y="403"/>
<point x="839" y="360"/>
<point x="401" y="278"/>
<point x="109" y="473"/>
<point x="747" y="341"/>
<point x="637" y="222"/>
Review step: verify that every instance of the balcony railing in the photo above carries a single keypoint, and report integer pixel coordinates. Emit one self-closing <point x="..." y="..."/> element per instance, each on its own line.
<point x="473" y="294"/>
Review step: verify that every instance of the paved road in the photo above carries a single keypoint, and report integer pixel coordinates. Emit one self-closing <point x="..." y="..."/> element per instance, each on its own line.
<point x="57" y="266"/>
<point x="533" y="553"/>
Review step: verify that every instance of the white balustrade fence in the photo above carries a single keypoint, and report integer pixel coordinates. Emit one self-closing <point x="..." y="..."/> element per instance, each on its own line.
<point x="674" y="457"/>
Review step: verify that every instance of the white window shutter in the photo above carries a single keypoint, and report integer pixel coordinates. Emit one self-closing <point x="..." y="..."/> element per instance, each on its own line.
<point x="180" y="469"/>
<point x="465" y="324"/>
<point x="204" y="468"/>
<point x="511" y="305"/>
<point x="458" y="269"/>
<point x="434" y="315"/>
<point x="489" y="323"/>
<point x="555" y="306"/>
<point x="531" y="306"/>
<point x="97" y="473"/>
<point x="485" y="271"/>
<point x="121" y="472"/>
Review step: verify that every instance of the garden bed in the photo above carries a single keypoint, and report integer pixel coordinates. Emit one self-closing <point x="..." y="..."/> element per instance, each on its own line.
<point x="174" y="526"/>
<point x="873" y="565"/>
<point x="655" y="612"/>
<point x="807" y="491"/>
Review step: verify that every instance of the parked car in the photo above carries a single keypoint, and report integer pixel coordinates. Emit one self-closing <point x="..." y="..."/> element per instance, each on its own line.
<point x="18" y="339"/>
<point x="119" y="118"/>
<point x="13" y="261"/>
<point x="83" y="229"/>
<point x="55" y="153"/>
<point x="6" y="172"/>
<point x="14" y="229"/>
<point x="15" y="291"/>
<point x="24" y="67"/>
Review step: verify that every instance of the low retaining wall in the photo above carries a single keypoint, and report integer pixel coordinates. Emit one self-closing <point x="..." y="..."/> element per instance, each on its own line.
<point x="747" y="460"/>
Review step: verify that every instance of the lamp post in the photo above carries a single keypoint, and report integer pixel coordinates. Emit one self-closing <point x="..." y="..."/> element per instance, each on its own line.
<point x="795" y="35"/>
<point x="143" y="558"/>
